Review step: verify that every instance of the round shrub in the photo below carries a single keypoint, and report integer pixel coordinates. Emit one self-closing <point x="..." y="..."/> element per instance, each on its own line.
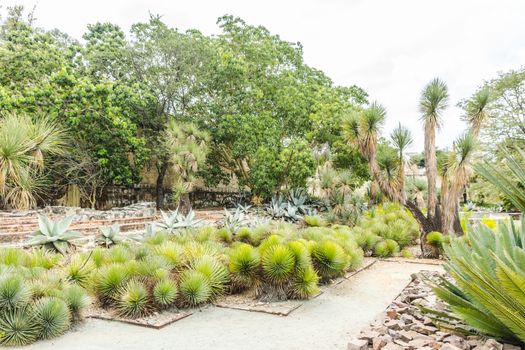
<point x="224" y="235"/>
<point x="52" y="316"/>
<point x="108" y="282"/>
<point x="329" y="259"/>
<point x="278" y="263"/>
<point x="194" y="288"/>
<point x="165" y="292"/>
<point x="216" y="273"/>
<point x="305" y="283"/>
<point x="300" y="253"/>
<point x="386" y="248"/>
<point x="18" y="327"/>
<point x="435" y="239"/>
<point x="13" y="292"/>
<point x="133" y="301"/>
<point x="76" y="299"/>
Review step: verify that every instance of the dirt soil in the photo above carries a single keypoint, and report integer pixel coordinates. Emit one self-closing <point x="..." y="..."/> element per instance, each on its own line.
<point x="325" y="322"/>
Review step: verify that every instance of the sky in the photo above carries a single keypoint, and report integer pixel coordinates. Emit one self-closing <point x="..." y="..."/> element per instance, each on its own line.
<point x="389" y="48"/>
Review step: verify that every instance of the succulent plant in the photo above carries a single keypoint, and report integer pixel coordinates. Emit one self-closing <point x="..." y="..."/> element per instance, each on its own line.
<point x="110" y="235"/>
<point x="52" y="316"/>
<point x="195" y="288"/>
<point x="54" y="235"/>
<point x="18" y="327"/>
<point x="133" y="301"/>
<point x="175" y="221"/>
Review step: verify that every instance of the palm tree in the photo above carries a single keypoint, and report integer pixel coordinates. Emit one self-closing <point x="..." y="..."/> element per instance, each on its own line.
<point x="402" y="139"/>
<point x="25" y="143"/>
<point x="433" y="102"/>
<point x="477" y="110"/>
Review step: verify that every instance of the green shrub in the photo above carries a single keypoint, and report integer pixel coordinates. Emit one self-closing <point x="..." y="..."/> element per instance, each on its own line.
<point x="278" y="263"/>
<point x="52" y="316"/>
<point x="305" y="283"/>
<point x="194" y="288"/>
<point x="18" y="327"/>
<point x="244" y="234"/>
<point x="216" y="273"/>
<point x="133" y="300"/>
<point x="165" y="292"/>
<point x="244" y="263"/>
<point x="329" y="259"/>
<point x="314" y="220"/>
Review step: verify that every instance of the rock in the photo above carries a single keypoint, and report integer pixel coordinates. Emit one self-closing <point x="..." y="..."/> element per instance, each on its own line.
<point x="394" y="325"/>
<point x="357" y="344"/>
<point x="427" y="321"/>
<point x="418" y="343"/>
<point x="449" y="347"/>
<point x="392" y="314"/>
<point x="427" y="330"/>
<point x="493" y="344"/>
<point x="407" y="335"/>
<point x="369" y="335"/>
<point x="392" y="346"/>
<point x="379" y="343"/>
<point x="511" y="347"/>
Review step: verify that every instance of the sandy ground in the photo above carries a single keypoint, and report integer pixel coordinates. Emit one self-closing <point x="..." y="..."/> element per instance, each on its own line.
<point x="326" y="322"/>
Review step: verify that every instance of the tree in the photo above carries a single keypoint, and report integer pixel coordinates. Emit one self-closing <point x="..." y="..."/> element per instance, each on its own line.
<point x="434" y="100"/>
<point x="401" y="138"/>
<point x="188" y="147"/>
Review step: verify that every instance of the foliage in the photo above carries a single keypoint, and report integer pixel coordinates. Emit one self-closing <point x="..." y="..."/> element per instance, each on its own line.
<point x="486" y="292"/>
<point x="54" y="235"/>
<point x="175" y="221"/>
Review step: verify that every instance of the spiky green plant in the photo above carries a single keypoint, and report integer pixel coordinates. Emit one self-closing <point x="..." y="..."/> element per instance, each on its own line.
<point x="314" y="220"/>
<point x="244" y="263"/>
<point x="165" y="292"/>
<point x="194" y="288"/>
<point x="76" y="299"/>
<point x="329" y="259"/>
<point x="304" y="283"/>
<point x="278" y="263"/>
<point x="110" y="235"/>
<point x="78" y="270"/>
<point x="224" y="235"/>
<point x="133" y="300"/>
<point x="171" y="252"/>
<point x="54" y="235"/>
<point x="18" y="327"/>
<point x="52" y="316"/>
<point x="435" y="239"/>
<point x="216" y="272"/>
<point x="14" y="292"/>
<point x="108" y="281"/>
<point x="244" y="234"/>
<point x="300" y="253"/>
<point x="488" y="290"/>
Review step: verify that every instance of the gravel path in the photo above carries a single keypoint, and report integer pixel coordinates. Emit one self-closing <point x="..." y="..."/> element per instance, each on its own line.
<point x="326" y="322"/>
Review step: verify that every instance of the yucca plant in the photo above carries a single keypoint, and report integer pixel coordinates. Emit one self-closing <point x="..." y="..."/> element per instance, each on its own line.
<point x="329" y="259"/>
<point x="165" y="292"/>
<point x="194" y="288"/>
<point x="14" y="292"/>
<point x="18" y="327"/>
<point x="304" y="283"/>
<point x="244" y="263"/>
<point x="487" y="292"/>
<point x="52" y="316"/>
<point x="133" y="300"/>
<point x="54" y="235"/>
<point x="107" y="282"/>
<point x="215" y="271"/>
<point x="76" y="299"/>
<point x="278" y="263"/>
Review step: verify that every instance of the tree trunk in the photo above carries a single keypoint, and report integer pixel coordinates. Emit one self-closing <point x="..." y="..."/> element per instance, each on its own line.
<point x="431" y="167"/>
<point x="161" y="174"/>
<point x="185" y="204"/>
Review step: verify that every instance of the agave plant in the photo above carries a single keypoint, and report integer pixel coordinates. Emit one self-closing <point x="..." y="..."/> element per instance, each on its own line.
<point x="110" y="235"/>
<point x="234" y="220"/>
<point x="276" y="208"/>
<point x="488" y="288"/>
<point x="54" y="235"/>
<point x="174" y="221"/>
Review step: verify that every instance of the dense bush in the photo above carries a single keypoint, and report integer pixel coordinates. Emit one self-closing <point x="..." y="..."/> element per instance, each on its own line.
<point x="487" y="292"/>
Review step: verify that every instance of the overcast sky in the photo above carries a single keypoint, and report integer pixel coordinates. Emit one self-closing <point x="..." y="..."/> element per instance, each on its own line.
<point x="389" y="48"/>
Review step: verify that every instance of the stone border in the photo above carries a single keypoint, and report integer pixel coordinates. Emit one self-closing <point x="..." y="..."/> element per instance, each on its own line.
<point x="155" y="321"/>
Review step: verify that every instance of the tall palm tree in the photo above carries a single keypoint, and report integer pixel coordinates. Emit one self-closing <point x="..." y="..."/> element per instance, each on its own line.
<point x="434" y="100"/>
<point x="477" y="110"/>
<point x="402" y="139"/>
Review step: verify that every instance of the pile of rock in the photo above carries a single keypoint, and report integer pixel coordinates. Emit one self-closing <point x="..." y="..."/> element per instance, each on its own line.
<point x="135" y="210"/>
<point x="403" y="326"/>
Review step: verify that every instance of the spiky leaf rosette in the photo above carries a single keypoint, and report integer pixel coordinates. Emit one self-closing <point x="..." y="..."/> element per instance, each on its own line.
<point x="165" y="292"/>
<point x="278" y="263"/>
<point x="78" y="270"/>
<point x="18" y="327"/>
<point x="76" y="299"/>
<point x="244" y="263"/>
<point x="217" y="274"/>
<point x="435" y="239"/>
<point x="194" y="288"/>
<point x="269" y="242"/>
<point x="381" y="249"/>
<point x="305" y="283"/>
<point x="329" y="259"/>
<point x="133" y="301"/>
<point x="14" y="292"/>
<point x="52" y="317"/>
<point x="108" y="282"/>
<point x="301" y="254"/>
<point x="171" y="252"/>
